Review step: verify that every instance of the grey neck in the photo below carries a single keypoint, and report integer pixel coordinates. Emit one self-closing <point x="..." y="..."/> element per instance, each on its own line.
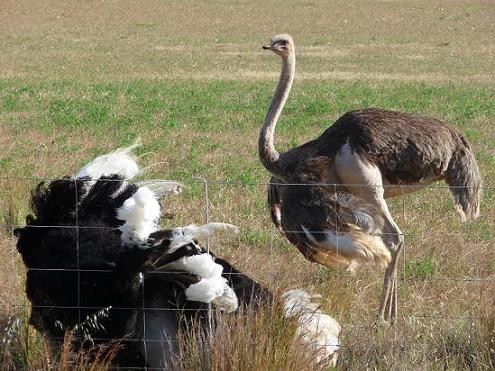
<point x="266" y="145"/>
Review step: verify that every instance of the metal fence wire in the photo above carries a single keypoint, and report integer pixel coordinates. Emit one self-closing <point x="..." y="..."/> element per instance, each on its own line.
<point x="446" y="265"/>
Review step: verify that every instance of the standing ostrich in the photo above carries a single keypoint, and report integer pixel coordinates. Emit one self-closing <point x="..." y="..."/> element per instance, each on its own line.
<point x="328" y="195"/>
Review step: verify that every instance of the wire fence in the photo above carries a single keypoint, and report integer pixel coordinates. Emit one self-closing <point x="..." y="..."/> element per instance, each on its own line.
<point x="467" y="256"/>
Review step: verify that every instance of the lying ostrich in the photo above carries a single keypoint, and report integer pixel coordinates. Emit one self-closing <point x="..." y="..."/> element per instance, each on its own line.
<point x="86" y="248"/>
<point x="328" y="195"/>
<point x="197" y="274"/>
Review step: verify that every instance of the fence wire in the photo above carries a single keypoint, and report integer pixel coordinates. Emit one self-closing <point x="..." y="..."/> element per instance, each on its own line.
<point x="208" y="203"/>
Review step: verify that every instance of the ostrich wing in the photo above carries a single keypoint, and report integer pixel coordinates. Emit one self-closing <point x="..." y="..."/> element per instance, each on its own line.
<point x="121" y="161"/>
<point x="331" y="228"/>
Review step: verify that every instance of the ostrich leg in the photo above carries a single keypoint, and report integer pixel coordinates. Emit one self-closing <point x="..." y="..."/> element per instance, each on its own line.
<point x="364" y="180"/>
<point x="388" y="301"/>
<point x="394" y="240"/>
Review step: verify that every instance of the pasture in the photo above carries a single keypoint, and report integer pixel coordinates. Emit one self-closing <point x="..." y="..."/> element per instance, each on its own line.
<point x="78" y="79"/>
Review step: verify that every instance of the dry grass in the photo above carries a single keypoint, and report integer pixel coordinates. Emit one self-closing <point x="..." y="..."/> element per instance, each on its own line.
<point x="248" y="340"/>
<point x="93" y="358"/>
<point x="189" y="40"/>
<point x="24" y="348"/>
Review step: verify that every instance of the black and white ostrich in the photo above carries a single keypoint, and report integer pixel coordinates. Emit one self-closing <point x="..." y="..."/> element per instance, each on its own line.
<point x="85" y="246"/>
<point x="98" y="263"/>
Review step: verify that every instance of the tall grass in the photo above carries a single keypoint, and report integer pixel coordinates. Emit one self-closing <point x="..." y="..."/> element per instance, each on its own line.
<point x="24" y="348"/>
<point x="423" y="343"/>
<point x="487" y="328"/>
<point x="94" y="358"/>
<point x="17" y="207"/>
<point x="261" y="339"/>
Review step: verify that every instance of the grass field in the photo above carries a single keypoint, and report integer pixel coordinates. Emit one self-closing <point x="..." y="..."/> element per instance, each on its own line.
<point x="78" y="79"/>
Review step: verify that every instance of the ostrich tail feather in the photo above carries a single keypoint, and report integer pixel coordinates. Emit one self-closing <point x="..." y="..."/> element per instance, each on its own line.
<point x="121" y="162"/>
<point x="315" y="327"/>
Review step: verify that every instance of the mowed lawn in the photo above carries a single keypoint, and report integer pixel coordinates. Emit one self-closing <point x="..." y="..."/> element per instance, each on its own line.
<point x="78" y="79"/>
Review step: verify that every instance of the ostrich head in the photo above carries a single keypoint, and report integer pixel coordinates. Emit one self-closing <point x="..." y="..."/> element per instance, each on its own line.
<point x="282" y="45"/>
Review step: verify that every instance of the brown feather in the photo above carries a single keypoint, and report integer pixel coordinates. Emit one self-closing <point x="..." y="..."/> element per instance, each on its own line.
<point x="318" y="208"/>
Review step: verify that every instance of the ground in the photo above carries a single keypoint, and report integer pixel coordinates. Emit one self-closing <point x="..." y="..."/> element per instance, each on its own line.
<point x="78" y="79"/>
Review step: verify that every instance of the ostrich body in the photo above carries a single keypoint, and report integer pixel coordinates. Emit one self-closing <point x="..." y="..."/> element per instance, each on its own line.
<point x="90" y="248"/>
<point x="328" y="195"/>
<point x="84" y="256"/>
<point x="166" y="293"/>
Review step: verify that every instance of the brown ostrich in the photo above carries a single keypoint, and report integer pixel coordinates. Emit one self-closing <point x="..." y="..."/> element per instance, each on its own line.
<point x="328" y="195"/>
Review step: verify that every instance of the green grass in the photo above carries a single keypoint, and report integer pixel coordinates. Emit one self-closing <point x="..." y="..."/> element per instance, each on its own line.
<point x="422" y="269"/>
<point x="209" y="118"/>
<point x="210" y="129"/>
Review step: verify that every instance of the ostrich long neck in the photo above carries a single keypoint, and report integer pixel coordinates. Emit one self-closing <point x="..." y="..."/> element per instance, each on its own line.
<point x="266" y="147"/>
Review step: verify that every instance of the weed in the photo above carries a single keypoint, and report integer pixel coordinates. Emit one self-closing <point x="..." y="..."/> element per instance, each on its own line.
<point x="420" y="269"/>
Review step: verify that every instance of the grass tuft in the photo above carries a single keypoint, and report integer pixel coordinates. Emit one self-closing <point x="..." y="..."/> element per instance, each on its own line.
<point x="260" y="339"/>
<point x="24" y="348"/>
<point x="17" y="205"/>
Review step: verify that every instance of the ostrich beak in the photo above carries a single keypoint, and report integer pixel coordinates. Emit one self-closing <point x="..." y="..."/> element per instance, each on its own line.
<point x="268" y="47"/>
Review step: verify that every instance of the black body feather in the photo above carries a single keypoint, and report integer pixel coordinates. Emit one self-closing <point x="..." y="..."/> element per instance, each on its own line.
<point x="77" y="266"/>
<point x="75" y="263"/>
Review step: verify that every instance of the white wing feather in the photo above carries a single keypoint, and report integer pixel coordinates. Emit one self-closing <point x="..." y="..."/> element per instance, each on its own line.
<point x="121" y="162"/>
<point x="317" y="328"/>
<point x="186" y="235"/>
<point x="212" y="287"/>
<point x="141" y="214"/>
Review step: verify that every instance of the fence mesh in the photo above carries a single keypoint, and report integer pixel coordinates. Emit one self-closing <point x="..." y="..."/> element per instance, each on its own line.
<point x="446" y="274"/>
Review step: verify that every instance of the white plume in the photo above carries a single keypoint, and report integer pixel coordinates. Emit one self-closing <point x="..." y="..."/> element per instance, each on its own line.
<point x="212" y="287"/>
<point x="206" y="290"/>
<point x="121" y="162"/>
<point x="201" y="265"/>
<point x="162" y="187"/>
<point x="318" y="329"/>
<point x="186" y="235"/>
<point x="214" y="290"/>
<point x="141" y="213"/>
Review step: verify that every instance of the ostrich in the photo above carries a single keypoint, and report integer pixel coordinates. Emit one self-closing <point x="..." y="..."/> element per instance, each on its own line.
<point x="194" y="279"/>
<point x="98" y="263"/>
<point x="328" y="195"/>
<point x="85" y="246"/>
